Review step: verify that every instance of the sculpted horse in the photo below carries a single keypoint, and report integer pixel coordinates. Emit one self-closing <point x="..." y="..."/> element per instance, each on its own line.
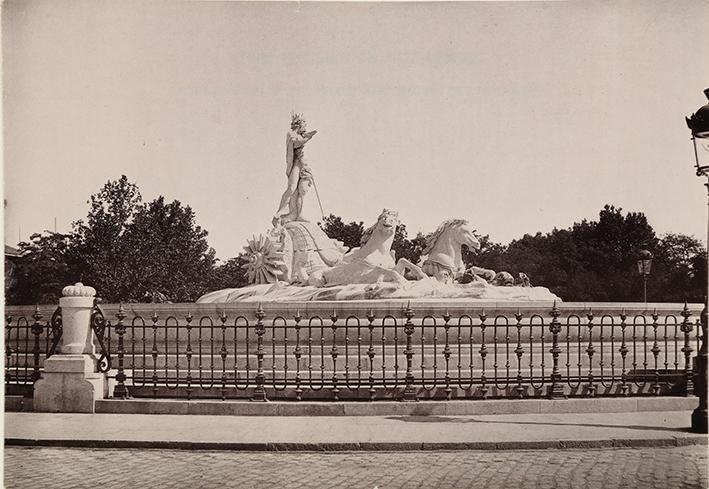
<point x="445" y="257"/>
<point x="372" y="262"/>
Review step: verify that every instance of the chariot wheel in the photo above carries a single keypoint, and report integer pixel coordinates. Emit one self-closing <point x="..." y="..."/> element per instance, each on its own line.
<point x="264" y="265"/>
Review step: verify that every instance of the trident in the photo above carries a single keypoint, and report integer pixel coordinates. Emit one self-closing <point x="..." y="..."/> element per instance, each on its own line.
<point x="317" y="194"/>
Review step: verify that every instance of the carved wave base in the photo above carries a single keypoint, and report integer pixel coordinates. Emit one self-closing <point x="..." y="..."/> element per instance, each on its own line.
<point x="421" y="289"/>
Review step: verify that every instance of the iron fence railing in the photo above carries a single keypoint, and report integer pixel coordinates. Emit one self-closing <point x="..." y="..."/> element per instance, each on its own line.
<point x="29" y="340"/>
<point x="393" y="350"/>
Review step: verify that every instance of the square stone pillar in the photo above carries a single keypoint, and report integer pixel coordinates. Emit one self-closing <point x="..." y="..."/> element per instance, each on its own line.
<point x="70" y="382"/>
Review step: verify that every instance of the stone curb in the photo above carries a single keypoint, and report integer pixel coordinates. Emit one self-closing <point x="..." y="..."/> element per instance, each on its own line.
<point x="395" y="408"/>
<point x="378" y="408"/>
<point x="364" y="446"/>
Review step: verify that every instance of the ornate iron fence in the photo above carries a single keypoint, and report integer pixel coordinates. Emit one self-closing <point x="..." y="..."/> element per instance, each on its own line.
<point x="27" y="344"/>
<point x="392" y="350"/>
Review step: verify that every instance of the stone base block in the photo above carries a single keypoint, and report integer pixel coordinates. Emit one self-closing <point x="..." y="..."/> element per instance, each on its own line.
<point x="69" y="384"/>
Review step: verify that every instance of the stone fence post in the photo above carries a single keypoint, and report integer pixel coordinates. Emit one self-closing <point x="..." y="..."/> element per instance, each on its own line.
<point x="70" y="382"/>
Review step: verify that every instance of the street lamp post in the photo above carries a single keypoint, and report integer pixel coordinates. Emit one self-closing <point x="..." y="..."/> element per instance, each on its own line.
<point x="698" y="123"/>
<point x="644" y="267"/>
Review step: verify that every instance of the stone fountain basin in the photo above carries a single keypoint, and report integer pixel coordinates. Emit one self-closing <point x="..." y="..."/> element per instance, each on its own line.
<point x="421" y="289"/>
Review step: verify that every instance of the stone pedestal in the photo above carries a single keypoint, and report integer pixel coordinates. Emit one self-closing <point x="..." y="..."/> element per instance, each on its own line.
<point x="70" y="383"/>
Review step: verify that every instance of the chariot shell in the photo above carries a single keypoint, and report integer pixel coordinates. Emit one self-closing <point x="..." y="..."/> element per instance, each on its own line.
<point x="291" y="253"/>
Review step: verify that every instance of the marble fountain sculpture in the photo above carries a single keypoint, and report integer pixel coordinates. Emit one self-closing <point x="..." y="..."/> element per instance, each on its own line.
<point x="296" y="261"/>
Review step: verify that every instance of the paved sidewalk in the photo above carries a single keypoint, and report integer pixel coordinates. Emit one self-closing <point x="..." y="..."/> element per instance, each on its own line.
<point x="585" y="430"/>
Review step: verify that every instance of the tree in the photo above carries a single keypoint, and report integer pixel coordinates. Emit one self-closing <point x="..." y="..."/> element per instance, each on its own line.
<point x="679" y="270"/>
<point x="405" y="248"/>
<point x="42" y="270"/>
<point x="231" y="274"/>
<point x="99" y="246"/>
<point x="597" y="260"/>
<point x="488" y="256"/>
<point x="165" y="251"/>
<point x="591" y="261"/>
<point x="127" y="250"/>
<point x="349" y="234"/>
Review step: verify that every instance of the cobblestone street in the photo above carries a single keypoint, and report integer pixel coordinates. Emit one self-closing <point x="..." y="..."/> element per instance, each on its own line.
<point x="683" y="467"/>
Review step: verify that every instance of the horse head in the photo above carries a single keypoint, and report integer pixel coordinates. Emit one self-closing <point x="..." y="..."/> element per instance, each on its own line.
<point x="443" y="247"/>
<point x="384" y="228"/>
<point x="463" y="235"/>
<point x="454" y="232"/>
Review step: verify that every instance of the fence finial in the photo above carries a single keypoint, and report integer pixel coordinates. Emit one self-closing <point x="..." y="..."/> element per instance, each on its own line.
<point x="409" y="313"/>
<point x="260" y="313"/>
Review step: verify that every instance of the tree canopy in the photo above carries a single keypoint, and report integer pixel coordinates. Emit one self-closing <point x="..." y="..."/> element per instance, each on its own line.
<point x="42" y="270"/>
<point x="126" y="249"/>
<point x="348" y="234"/>
<point x="597" y="260"/>
<point x="134" y="251"/>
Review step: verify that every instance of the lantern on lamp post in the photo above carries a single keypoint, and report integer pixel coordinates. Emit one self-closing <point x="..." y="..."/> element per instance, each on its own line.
<point x="698" y="123"/>
<point x="644" y="267"/>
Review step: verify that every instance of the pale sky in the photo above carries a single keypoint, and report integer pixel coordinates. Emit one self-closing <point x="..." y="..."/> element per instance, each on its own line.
<point x="520" y="117"/>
